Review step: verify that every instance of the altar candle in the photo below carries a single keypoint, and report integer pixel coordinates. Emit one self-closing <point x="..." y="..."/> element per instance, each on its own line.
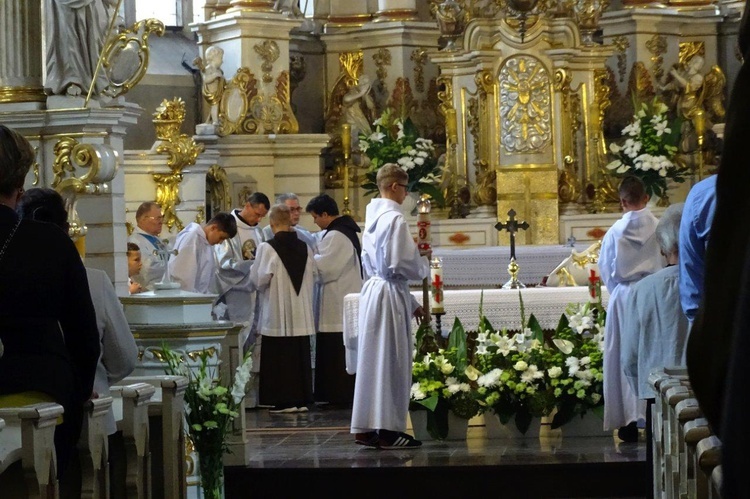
<point x="346" y="139"/>
<point x="436" y="286"/>
<point x="451" y="124"/>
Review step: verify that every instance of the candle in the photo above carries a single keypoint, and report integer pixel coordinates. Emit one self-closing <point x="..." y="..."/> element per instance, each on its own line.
<point x="346" y="139"/>
<point x="451" y="126"/>
<point x="436" y="286"/>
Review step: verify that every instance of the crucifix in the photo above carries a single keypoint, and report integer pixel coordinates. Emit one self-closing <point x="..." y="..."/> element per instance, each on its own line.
<point x="163" y="254"/>
<point x="512" y="226"/>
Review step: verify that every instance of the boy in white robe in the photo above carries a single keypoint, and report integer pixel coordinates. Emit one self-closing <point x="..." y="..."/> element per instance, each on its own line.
<point x="283" y="275"/>
<point x="390" y="259"/>
<point x="194" y="265"/>
<point x="629" y="252"/>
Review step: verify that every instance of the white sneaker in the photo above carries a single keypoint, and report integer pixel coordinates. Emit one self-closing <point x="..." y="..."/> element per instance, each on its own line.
<point x="283" y="411"/>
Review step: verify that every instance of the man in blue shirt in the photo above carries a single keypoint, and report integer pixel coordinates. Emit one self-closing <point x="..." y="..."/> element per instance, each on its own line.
<point x="694" y="229"/>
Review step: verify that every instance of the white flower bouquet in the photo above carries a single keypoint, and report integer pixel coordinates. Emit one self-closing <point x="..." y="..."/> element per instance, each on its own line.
<point x="648" y="148"/>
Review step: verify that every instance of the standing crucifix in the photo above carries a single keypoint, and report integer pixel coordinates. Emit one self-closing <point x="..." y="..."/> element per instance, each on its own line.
<point x="512" y="226"/>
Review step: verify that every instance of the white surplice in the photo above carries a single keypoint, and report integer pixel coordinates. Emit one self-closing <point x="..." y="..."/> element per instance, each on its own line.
<point x="194" y="266"/>
<point x="655" y="329"/>
<point x="234" y="258"/>
<point x="338" y="264"/>
<point x="629" y="252"/>
<point x="153" y="266"/>
<point x="384" y="346"/>
<point x="309" y="238"/>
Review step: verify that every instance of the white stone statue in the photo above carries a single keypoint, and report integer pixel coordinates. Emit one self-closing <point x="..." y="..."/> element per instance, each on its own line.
<point x="213" y="81"/>
<point x="288" y="7"/>
<point x="76" y="32"/>
<point x="359" y="108"/>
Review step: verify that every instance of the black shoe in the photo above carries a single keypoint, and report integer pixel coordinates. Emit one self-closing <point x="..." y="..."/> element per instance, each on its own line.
<point x="397" y="440"/>
<point x="369" y="439"/>
<point x="628" y="433"/>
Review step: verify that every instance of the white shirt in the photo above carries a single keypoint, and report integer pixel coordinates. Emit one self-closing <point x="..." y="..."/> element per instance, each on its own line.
<point x="338" y="264"/>
<point x="153" y="266"/>
<point x="194" y="266"/>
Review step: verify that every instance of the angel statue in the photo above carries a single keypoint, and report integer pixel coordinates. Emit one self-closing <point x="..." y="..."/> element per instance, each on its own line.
<point x="698" y="99"/>
<point x="213" y="81"/>
<point x="358" y="108"/>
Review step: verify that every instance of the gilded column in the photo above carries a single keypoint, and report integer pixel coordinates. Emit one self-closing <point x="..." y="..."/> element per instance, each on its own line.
<point x="20" y="56"/>
<point x="397" y="10"/>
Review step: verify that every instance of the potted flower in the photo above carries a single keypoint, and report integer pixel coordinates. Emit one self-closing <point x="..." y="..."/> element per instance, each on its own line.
<point x="443" y="382"/>
<point x="650" y="143"/>
<point x="211" y="406"/>
<point x="397" y="140"/>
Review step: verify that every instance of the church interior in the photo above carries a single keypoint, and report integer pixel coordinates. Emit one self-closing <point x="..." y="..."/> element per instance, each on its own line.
<point x="528" y="108"/>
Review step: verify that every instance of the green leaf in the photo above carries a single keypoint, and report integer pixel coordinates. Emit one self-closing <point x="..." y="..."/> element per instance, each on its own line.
<point x="565" y="413"/>
<point x="457" y="340"/>
<point x="523" y="420"/>
<point x="563" y="324"/>
<point x="430" y="402"/>
<point x="537" y="333"/>
<point x="437" y="422"/>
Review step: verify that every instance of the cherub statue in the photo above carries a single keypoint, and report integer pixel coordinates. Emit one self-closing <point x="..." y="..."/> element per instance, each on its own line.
<point x="288" y="7"/>
<point x="213" y="81"/>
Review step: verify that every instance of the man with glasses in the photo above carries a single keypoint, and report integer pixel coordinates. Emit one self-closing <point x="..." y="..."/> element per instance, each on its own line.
<point x="149" y="220"/>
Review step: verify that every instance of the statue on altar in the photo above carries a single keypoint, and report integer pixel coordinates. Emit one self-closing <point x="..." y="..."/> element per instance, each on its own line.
<point x="213" y="81"/>
<point x="76" y="31"/>
<point x="359" y="109"/>
<point x="576" y="270"/>
<point x="698" y="100"/>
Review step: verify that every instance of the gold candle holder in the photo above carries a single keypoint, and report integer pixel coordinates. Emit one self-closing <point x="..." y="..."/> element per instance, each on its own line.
<point x="346" y="145"/>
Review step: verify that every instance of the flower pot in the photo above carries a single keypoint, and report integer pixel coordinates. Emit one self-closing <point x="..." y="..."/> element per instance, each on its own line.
<point x="495" y="429"/>
<point x="590" y="425"/>
<point x="457" y="427"/>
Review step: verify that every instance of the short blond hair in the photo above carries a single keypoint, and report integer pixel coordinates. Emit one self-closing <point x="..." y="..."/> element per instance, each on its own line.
<point x="390" y="173"/>
<point x="280" y="214"/>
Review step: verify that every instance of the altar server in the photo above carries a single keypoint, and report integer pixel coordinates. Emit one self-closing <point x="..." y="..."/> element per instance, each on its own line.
<point x="284" y="274"/>
<point x="194" y="265"/>
<point x="630" y="251"/>
<point x="384" y="348"/>
<point x="338" y="262"/>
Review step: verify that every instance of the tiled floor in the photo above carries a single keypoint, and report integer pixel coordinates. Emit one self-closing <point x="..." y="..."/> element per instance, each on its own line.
<point x="321" y="438"/>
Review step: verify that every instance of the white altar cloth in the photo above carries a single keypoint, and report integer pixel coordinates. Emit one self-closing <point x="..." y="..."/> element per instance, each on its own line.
<point x="487" y="267"/>
<point x="500" y="306"/>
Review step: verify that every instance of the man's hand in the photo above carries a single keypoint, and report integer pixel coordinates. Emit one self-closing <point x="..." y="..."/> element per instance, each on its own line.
<point x="421" y="315"/>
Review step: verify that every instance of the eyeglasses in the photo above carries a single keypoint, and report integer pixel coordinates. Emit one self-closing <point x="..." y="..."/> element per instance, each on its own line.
<point x="298" y="208"/>
<point x="405" y="186"/>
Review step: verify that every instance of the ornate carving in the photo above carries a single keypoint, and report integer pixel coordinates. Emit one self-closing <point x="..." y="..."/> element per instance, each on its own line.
<point x="485" y="193"/>
<point x="271" y="113"/>
<point x="382" y="59"/>
<point x="235" y="100"/>
<point x="297" y="71"/>
<point x="621" y="44"/>
<point x="451" y="19"/>
<point x="640" y="85"/>
<point x="568" y="185"/>
<point x="200" y="217"/>
<point x="100" y="164"/>
<point x="588" y="13"/>
<point x="269" y="52"/>
<point x="525" y="105"/>
<point x="605" y="190"/>
<point x="219" y="189"/>
<point x="402" y="98"/>
<point x="419" y="58"/>
<point x="125" y="57"/>
<point x="657" y="47"/>
<point x="181" y="151"/>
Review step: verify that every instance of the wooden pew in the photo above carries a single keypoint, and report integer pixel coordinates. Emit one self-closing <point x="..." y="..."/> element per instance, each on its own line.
<point x="708" y="451"/>
<point x="694" y="431"/>
<point x="93" y="449"/>
<point x="672" y="397"/>
<point x="685" y="411"/>
<point x="29" y="435"/>
<point x="132" y="402"/>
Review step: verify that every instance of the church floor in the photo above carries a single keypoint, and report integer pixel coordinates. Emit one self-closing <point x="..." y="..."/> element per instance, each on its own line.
<point x="313" y="454"/>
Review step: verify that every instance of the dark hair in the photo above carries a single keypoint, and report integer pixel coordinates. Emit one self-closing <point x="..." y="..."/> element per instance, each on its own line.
<point x="632" y="189"/>
<point x="145" y="208"/>
<point x="44" y="205"/>
<point x="225" y="222"/>
<point x="257" y="198"/>
<point x="133" y="247"/>
<point x="16" y="158"/>
<point x="323" y="204"/>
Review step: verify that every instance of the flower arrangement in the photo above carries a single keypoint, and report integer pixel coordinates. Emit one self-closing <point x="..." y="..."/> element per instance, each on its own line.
<point x="514" y="375"/>
<point x="648" y="149"/>
<point x="396" y="140"/>
<point x="210" y="408"/>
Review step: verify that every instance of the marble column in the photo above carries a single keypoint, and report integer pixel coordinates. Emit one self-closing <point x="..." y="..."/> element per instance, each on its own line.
<point x="21" y="85"/>
<point x="251" y="5"/>
<point x="397" y="10"/>
<point x="350" y="13"/>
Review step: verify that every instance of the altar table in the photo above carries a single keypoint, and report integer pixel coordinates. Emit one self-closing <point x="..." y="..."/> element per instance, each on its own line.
<point x="487" y="267"/>
<point x="500" y="306"/>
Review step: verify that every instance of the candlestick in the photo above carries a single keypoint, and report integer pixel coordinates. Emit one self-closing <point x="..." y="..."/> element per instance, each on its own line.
<point x="346" y="145"/>
<point x="436" y="280"/>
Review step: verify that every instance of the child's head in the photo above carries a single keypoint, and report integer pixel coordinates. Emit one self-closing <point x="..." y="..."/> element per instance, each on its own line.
<point x="221" y="227"/>
<point x="214" y="56"/>
<point x="134" y="259"/>
<point x="280" y="218"/>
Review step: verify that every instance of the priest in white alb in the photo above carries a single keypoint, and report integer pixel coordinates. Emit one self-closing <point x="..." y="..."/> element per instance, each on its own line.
<point x="630" y="251"/>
